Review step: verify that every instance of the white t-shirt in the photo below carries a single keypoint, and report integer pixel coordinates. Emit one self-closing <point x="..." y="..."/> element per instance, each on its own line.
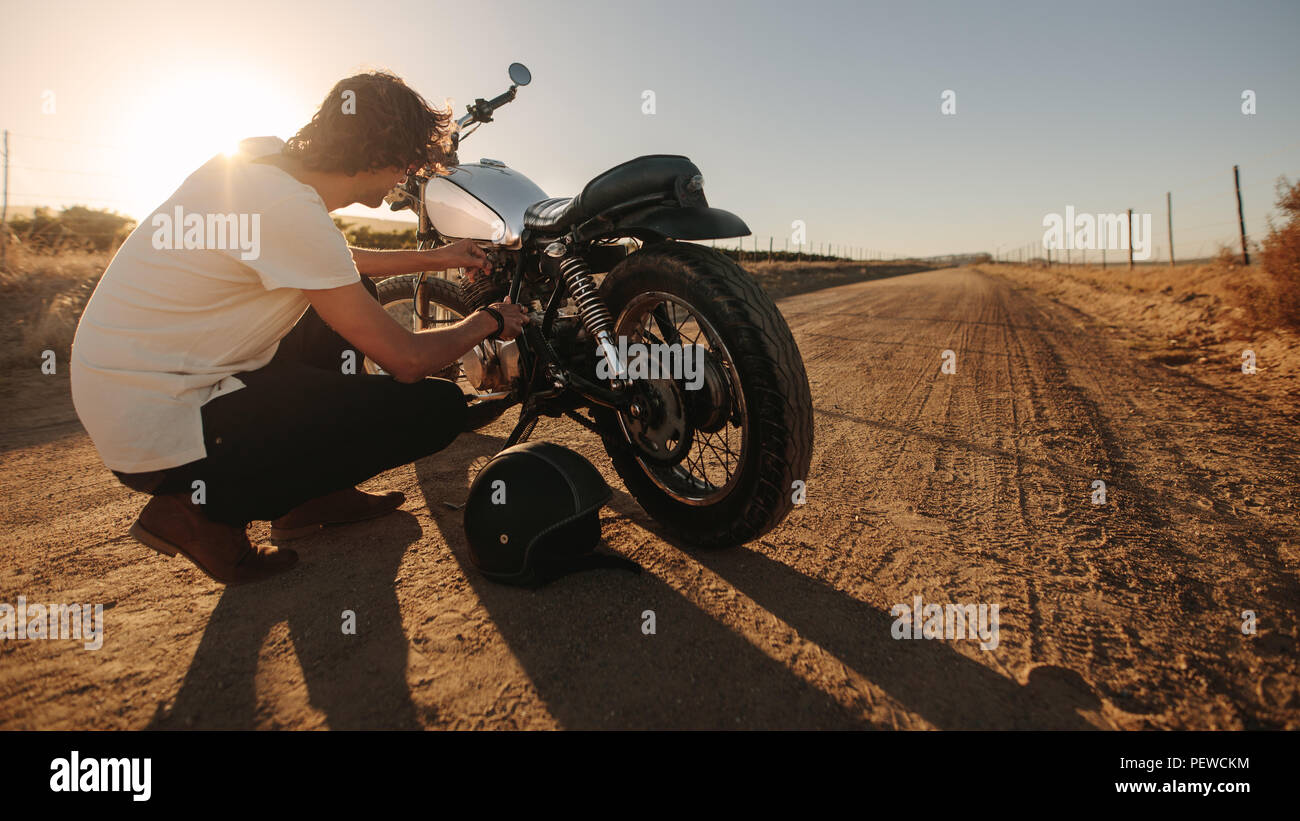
<point x="204" y="288"/>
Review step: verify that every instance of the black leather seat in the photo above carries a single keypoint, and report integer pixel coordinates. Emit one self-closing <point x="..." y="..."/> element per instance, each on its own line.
<point x="651" y="174"/>
<point x="556" y="213"/>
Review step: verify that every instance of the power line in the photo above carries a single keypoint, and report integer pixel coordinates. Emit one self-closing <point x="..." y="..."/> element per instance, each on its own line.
<point x="45" y="198"/>
<point x="69" y="140"/>
<point x="69" y="171"/>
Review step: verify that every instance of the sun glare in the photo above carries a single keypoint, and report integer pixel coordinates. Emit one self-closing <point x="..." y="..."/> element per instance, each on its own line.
<point x="171" y="129"/>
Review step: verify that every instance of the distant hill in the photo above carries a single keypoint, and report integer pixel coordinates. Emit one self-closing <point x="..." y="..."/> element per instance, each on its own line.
<point x="376" y="224"/>
<point x="373" y="224"/>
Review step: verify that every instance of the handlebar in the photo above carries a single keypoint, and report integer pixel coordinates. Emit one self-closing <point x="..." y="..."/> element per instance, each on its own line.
<point x="480" y="111"/>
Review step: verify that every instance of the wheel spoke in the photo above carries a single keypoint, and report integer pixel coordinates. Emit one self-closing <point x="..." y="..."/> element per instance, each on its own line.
<point x="662" y="320"/>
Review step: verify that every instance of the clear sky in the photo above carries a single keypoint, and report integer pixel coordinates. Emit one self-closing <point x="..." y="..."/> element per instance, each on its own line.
<point x="826" y="112"/>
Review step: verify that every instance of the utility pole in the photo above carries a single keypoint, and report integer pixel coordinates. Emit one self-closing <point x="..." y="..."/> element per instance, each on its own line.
<point x="769" y="249"/>
<point x="1240" y="218"/>
<point x="1169" y="210"/>
<point x="4" y="211"/>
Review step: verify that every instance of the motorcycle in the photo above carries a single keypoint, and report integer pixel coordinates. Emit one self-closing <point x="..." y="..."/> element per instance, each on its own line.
<point x="718" y="459"/>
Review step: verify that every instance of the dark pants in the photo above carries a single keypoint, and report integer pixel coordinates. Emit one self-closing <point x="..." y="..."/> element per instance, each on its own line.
<point x="301" y="428"/>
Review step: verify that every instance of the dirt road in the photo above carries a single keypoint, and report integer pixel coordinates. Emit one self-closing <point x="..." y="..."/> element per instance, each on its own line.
<point x="971" y="487"/>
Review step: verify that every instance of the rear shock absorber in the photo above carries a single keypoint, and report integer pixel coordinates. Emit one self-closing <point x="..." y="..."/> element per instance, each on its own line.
<point x="595" y="316"/>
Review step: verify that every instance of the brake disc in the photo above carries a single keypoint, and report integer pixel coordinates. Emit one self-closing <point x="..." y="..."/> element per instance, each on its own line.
<point x="657" y="422"/>
<point x="709" y="406"/>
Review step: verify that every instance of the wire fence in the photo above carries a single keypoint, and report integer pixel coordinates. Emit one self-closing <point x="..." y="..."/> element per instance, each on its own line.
<point x="1191" y="243"/>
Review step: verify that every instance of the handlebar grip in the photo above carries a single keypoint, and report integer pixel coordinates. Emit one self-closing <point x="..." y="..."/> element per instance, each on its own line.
<point x="501" y="99"/>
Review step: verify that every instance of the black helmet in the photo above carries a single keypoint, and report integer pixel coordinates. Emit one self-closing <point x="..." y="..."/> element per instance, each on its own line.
<point x="533" y="514"/>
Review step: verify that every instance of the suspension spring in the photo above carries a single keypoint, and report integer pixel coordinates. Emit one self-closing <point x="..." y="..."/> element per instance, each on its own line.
<point x="582" y="287"/>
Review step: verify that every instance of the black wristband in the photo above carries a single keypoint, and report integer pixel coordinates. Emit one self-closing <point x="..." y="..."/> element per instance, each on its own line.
<point x="501" y="321"/>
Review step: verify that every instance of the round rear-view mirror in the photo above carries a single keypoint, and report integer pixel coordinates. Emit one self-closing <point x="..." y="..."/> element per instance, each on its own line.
<point x="520" y="75"/>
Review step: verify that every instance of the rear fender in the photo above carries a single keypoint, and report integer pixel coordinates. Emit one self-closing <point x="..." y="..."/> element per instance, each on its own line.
<point x="672" y="222"/>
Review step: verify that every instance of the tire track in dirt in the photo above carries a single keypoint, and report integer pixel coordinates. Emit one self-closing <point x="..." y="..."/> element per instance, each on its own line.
<point x="1092" y="583"/>
<point x="1151" y="472"/>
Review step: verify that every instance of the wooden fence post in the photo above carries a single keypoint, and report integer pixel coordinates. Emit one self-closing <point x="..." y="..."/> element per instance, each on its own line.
<point x="1130" y="238"/>
<point x="1241" y="219"/>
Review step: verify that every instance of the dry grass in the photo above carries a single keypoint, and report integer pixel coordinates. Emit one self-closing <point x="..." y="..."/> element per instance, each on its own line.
<point x="43" y="296"/>
<point x="1242" y="296"/>
<point x="1200" y="317"/>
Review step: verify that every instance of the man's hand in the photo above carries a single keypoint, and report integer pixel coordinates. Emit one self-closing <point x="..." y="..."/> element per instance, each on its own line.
<point x="515" y="316"/>
<point x="462" y="254"/>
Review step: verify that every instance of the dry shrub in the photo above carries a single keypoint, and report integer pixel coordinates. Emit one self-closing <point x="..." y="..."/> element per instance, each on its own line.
<point x="1226" y="260"/>
<point x="1279" y="257"/>
<point x="42" y="296"/>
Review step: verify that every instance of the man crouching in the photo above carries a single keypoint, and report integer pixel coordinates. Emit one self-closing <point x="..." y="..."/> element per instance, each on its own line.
<point x="208" y="365"/>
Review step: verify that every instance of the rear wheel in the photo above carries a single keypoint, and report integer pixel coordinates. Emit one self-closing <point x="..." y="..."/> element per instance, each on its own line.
<point x="715" y="461"/>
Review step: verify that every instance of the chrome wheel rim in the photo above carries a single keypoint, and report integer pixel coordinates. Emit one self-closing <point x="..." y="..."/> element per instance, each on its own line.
<point x="712" y="464"/>
<point x="403" y="313"/>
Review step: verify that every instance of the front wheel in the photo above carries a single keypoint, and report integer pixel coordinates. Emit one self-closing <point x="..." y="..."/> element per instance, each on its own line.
<point x="716" y="459"/>
<point x="447" y="306"/>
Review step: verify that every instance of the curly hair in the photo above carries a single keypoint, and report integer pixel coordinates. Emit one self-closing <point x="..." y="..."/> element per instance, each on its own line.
<point x="375" y="120"/>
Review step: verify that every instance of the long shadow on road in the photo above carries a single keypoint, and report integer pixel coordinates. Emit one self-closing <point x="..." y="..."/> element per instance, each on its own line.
<point x="927" y="677"/>
<point x="580" y="643"/>
<point x="357" y="681"/>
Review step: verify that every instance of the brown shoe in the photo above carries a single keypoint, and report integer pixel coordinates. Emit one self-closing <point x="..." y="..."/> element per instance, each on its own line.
<point x="338" y="508"/>
<point x="173" y="524"/>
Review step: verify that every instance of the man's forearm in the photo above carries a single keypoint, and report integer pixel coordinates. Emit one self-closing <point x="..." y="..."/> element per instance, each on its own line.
<point x="372" y="263"/>
<point x="437" y="348"/>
